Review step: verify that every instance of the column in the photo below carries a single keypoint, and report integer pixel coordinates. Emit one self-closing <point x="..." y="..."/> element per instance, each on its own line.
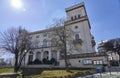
<point x="58" y="56"/>
<point x="34" y="56"/>
<point x="42" y="53"/>
<point x="26" y="58"/>
<point x="49" y="56"/>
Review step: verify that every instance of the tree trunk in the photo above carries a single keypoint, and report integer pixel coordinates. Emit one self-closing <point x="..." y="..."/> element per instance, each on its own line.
<point x="16" y="65"/>
<point x="65" y="57"/>
<point x="66" y="61"/>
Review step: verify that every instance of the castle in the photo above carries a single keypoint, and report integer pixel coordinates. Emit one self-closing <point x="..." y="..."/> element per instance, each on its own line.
<point x="80" y="43"/>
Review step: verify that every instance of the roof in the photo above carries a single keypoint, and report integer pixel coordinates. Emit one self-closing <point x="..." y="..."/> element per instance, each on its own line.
<point x="74" y="7"/>
<point x="46" y="30"/>
<point x="84" y="55"/>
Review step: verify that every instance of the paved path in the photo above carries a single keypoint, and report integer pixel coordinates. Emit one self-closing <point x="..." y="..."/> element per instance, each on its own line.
<point x="103" y="75"/>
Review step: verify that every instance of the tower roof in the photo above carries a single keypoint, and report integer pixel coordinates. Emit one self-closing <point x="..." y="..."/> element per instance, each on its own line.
<point x="74" y="7"/>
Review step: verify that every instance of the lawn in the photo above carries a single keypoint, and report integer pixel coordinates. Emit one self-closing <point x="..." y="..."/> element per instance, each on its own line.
<point x="53" y="73"/>
<point x="49" y="73"/>
<point x="6" y="70"/>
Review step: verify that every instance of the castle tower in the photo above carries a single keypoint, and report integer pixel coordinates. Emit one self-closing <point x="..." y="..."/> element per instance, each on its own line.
<point x="78" y="21"/>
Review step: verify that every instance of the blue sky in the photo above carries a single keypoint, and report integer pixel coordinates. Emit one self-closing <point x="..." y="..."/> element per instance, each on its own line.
<point x="104" y="15"/>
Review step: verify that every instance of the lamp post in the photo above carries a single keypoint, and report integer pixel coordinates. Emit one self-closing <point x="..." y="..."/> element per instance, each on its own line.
<point x="23" y="73"/>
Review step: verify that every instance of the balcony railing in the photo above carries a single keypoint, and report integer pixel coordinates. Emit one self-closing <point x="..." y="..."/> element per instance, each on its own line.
<point x="77" y="41"/>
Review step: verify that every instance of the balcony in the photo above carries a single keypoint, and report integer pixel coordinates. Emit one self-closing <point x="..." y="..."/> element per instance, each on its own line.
<point x="78" y="41"/>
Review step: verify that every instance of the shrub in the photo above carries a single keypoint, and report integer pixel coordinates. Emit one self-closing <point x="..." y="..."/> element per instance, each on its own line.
<point x="30" y="63"/>
<point x="44" y="61"/>
<point x="37" y="61"/>
<point x="114" y="63"/>
<point x="53" y="61"/>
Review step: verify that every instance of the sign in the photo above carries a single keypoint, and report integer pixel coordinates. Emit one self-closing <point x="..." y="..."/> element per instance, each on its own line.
<point x="99" y="69"/>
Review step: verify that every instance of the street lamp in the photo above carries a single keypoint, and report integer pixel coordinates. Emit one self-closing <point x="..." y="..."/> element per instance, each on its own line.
<point x="24" y="65"/>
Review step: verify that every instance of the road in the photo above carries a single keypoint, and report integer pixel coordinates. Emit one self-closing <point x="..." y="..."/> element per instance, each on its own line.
<point x="103" y="75"/>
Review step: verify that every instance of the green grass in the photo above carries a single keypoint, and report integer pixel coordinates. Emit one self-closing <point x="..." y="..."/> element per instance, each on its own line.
<point x="47" y="73"/>
<point x="53" y="73"/>
<point x="6" y="70"/>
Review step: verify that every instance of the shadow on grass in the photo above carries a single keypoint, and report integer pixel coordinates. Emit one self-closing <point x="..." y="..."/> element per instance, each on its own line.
<point x="33" y="71"/>
<point x="69" y="71"/>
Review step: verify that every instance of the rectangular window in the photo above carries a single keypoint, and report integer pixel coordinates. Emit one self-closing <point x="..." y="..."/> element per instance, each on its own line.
<point x="97" y="62"/>
<point x="94" y="62"/>
<point x="45" y="35"/>
<point x="87" y="61"/>
<point x="72" y="18"/>
<point x="37" y="36"/>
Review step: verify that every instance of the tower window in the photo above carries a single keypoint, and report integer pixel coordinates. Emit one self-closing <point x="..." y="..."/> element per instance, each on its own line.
<point x="79" y="16"/>
<point x="76" y="27"/>
<point x="75" y="17"/>
<point x="77" y="37"/>
<point x="72" y="18"/>
<point x="45" y="34"/>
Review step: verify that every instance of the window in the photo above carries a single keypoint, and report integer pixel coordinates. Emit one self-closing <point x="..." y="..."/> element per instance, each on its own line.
<point x="97" y="62"/>
<point x="87" y="61"/>
<point x="75" y="17"/>
<point x="79" y="16"/>
<point x="36" y="43"/>
<point x="30" y="59"/>
<point x="79" y="61"/>
<point x="38" y="55"/>
<point x="30" y="37"/>
<point x="37" y="36"/>
<point x="72" y="18"/>
<point x="77" y="37"/>
<point x="53" y="42"/>
<point x="76" y="27"/>
<point x="45" y="34"/>
<point x="44" y="43"/>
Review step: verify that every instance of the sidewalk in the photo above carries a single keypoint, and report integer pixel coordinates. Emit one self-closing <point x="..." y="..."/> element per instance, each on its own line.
<point x="103" y="75"/>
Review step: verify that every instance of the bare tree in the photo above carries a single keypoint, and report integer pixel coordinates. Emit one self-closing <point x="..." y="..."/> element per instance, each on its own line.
<point x="62" y="36"/>
<point x="112" y="45"/>
<point x="15" y="40"/>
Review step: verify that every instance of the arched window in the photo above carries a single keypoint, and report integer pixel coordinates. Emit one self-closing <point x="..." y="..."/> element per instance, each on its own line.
<point x="46" y="55"/>
<point x="30" y="59"/>
<point x="54" y="54"/>
<point x="38" y="55"/>
<point x="75" y="17"/>
<point x="44" y="43"/>
<point x="76" y="27"/>
<point x="79" y="16"/>
<point x="77" y="37"/>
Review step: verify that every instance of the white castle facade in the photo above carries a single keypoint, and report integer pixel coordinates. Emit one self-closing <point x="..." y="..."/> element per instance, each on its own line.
<point x="81" y="40"/>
